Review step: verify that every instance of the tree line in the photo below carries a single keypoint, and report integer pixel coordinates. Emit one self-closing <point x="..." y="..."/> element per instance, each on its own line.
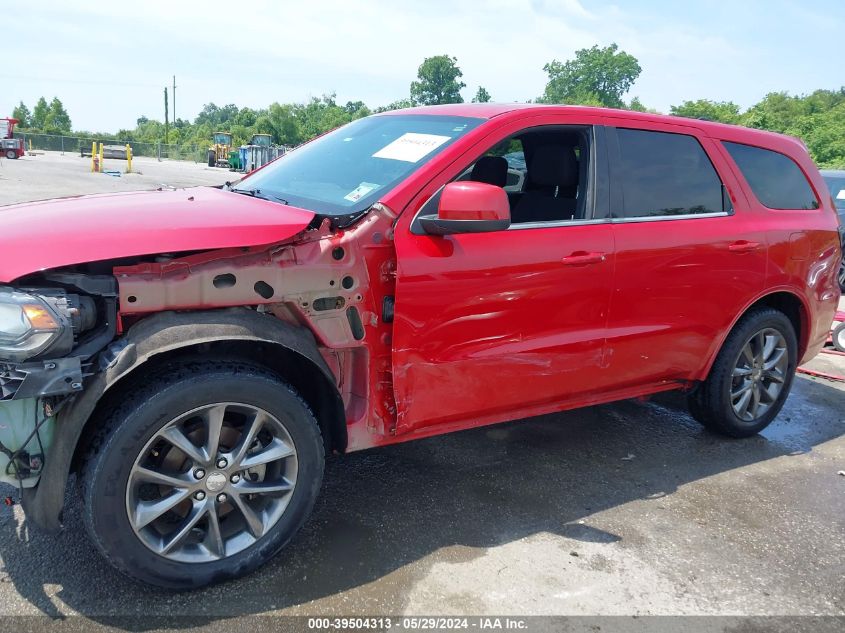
<point x="49" y="118"/>
<point x="594" y="76"/>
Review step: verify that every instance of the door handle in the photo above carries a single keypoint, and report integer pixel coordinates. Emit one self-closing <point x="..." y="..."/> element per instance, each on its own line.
<point x="583" y="258"/>
<point x="743" y="246"/>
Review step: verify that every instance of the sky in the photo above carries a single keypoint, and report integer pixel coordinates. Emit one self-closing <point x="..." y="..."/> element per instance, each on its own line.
<point x="109" y="61"/>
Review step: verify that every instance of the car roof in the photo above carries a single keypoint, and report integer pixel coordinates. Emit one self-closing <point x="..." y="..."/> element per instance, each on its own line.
<point x="839" y="173"/>
<point x="736" y="133"/>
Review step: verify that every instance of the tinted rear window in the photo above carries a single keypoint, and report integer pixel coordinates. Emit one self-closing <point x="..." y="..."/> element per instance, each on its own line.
<point x="664" y="174"/>
<point x="773" y="177"/>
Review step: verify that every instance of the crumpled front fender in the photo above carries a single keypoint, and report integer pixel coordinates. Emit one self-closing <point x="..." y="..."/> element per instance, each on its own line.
<point x="159" y="334"/>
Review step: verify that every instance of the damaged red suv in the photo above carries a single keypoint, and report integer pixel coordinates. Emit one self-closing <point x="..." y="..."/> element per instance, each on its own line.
<point x="193" y="355"/>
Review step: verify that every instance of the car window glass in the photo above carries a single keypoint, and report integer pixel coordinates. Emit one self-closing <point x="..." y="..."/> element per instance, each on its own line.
<point x="666" y="174"/>
<point x="345" y="171"/>
<point x="544" y="170"/>
<point x="547" y="171"/>
<point x="774" y="178"/>
<point x="836" y="184"/>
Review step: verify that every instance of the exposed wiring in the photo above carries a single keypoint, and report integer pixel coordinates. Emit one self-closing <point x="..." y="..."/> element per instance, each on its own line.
<point x="14" y="455"/>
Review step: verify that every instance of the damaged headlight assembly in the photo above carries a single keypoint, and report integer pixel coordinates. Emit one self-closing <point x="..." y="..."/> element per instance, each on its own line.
<point x="39" y="329"/>
<point x="30" y="326"/>
<point x="42" y="323"/>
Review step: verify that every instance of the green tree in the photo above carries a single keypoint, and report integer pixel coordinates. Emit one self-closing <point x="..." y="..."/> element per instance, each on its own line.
<point x="818" y="119"/>
<point x="22" y="114"/>
<point x="57" y="120"/>
<point x="39" y="113"/>
<point x="597" y="76"/>
<point x="281" y="121"/>
<point x="216" y="116"/>
<point x="246" y="117"/>
<point x="357" y="109"/>
<point x="722" y="111"/>
<point x="395" y="105"/>
<point x="636" y="105"/>
<point x="481" y="95"/>
<point x="438" y="81"/>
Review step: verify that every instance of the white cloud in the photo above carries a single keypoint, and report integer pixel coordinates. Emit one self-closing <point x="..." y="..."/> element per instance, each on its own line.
<point x="370" y="50"/>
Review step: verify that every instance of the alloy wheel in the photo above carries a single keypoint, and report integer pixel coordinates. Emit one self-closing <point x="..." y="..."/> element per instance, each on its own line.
<point x="759" y="374"/>
<point x="211" y="482"/>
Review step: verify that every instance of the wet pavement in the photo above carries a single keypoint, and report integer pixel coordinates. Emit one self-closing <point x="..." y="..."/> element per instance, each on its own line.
<point x="629" y="508"/>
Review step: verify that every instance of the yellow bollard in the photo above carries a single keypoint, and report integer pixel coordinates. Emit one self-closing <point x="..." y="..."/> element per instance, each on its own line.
<point x="30" y="147"/>
<point x="94" y="156"/>
<point x="128" y="159"/>
<point x="101" y="157"/>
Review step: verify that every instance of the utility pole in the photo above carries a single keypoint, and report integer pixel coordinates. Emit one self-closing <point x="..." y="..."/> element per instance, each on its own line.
<point x="174" y="100"/>
<point x="165" y="115"/>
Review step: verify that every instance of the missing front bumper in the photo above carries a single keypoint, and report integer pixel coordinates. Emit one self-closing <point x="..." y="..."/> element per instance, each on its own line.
<point x="59" y="377"/>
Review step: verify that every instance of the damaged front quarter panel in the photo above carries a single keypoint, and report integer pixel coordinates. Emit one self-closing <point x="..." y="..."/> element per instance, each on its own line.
<point x="335" y="282"/>
<point x="332" y="282"/>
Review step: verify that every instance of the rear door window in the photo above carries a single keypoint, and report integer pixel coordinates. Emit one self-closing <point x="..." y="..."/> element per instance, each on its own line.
<point x="665" y="174"/>
<point x="773" y="177"/>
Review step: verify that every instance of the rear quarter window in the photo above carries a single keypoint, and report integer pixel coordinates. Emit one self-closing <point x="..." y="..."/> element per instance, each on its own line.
<point x="775" y="179"/>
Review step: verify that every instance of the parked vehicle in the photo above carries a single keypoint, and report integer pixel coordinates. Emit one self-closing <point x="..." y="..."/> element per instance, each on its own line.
<point x="837" y="331"/>
<point x="835" y="179"/>
<point x="10" y="147"/>
<point x="193" y="354"/>
<point x="220" y="150"/>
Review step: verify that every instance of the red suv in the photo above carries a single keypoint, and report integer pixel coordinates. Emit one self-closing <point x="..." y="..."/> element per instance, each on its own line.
<point x="193" y="354"/>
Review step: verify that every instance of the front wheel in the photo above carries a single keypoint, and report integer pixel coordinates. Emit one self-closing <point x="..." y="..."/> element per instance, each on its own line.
<point x="11" y="154"/>
<point x="202" y="475"/>
<point x="751" y="377"/>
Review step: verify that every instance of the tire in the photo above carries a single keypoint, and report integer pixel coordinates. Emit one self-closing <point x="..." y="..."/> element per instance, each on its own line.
<point x="212" y="158"/>
<point x="11" y="154"/>
<point x="119" y="495"/>
<point x="733" y="371"/>
<point x="841" y="275"/>
<point x="838" y="337"/>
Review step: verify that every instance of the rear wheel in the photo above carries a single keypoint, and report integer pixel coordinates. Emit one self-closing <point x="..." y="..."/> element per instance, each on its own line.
<point x="202" y="475"/>
<point x="11" y="154"/>
<point x="212" y="158"/>
<point x="751" y="377"/>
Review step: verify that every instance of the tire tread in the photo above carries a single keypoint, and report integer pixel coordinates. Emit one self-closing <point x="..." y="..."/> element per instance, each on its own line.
<point x="706" y="403"/>
<point x="103" y="437"/>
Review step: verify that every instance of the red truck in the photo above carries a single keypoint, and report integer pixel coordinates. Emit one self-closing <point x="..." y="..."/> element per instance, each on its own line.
<point x="10" y="147"/>
<point x="193" y="355"/>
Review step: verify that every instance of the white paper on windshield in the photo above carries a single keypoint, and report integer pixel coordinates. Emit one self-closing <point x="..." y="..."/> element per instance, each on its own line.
<point x="360" y="191"/>
<point x="841" y="195"/>
<point x="411" y="147"/>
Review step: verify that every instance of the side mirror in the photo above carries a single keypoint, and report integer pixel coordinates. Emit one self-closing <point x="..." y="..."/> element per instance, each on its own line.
<point x="469" y="207"/>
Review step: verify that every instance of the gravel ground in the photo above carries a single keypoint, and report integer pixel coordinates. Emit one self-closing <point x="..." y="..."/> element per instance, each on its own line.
<point x="623" y="509"/>
<point x="51" y="174"/>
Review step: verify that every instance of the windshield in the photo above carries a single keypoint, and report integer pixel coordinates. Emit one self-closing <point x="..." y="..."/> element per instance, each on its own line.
<point x="836" y="184"/>
<point x="347" y="170"/>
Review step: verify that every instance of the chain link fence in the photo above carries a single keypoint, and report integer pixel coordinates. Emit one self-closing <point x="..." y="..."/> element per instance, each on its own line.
<point x="82" y="146"/>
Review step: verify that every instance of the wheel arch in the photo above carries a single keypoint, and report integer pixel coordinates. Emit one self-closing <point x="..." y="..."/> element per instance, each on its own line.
<point x="786" y="301"/>
<point x="236" y="333"/>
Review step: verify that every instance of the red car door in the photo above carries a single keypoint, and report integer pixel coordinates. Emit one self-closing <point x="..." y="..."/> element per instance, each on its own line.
<point x="690" y="253"/>
<point x="497" y="326"/>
